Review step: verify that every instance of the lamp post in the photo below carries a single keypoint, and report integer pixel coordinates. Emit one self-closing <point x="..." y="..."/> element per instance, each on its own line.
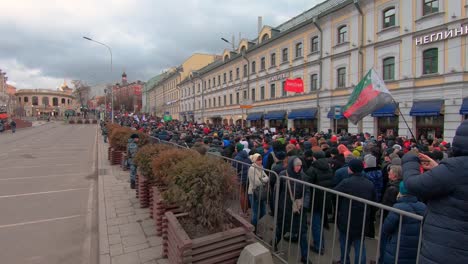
<point x="112" y="89"/>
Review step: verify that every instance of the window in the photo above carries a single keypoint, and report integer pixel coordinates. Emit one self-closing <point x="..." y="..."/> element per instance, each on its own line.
<point x="285" y="55"/>
<point x="230" y="99"/>
<point x="219" y="100"/>
<point x="262" y="64"/>
<point x="245" y="70"/>
<point x="198" y="90"/>
<point x="430" y="7"/>
<point x="209" y="103"/>
<point x="237" y="98"/>
<point x="389" y="17"/>
<point x="243" y="49"/>
<point x="45" y="101"/>
<point x="313" y="82"/>
<point x="237" y="73"/>
<point x="342" y="34"/>
<point x="214" y="102"/>
<point x="253" y="67"/>
<point x="299" y="50"/>
<point x="219" y="79"/>
<point x="224" y="78"/>
<point x="245" y="95"/>
<point x="283" y="91"/>
<point x="265" y="37"/>
<point x="273" y="59"/>
<point x="262" y="93"/>
<point x="230" y="76"/>
<point x="26" y="100"/>
<point x="199" y="104"/>
<point x="341" y="82"/>
<point x="430" y="61"/>
<point x="272" y="90"/>
<point x="314" y="44"/>
<point x="226" y="57"/>
<point x="389" y="68"/>
<point x="209" y="83"/>
<point x="253" y="95"/>
<point x="63" y="100"/>
<point x="224" y="99"/>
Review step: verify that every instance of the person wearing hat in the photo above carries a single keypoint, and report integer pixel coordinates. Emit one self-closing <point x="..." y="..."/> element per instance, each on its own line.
<point x="373" y="174"/>
<point x="132" y="148"/>
<point x="356" y="185"/>
<point x="409" y="236"/>
<point x="445" y="187"/>
<point x="257" y="179"/>
<point x="242" y="164"/>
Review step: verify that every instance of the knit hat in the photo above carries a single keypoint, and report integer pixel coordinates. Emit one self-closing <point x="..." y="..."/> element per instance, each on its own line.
<point x="334" y="138"/>
<point x="307" y="145"/>
<point x="239" y="147"/>
<point x="254" y="157"/>
<point x="293" y="141"/>
<point x="396" y="146"/>
<point x="297" y="162"/>
<point x="134" y="136"/>
<point x="370" y="161"/>
<point x="396" y="161"/>
<point x="389" y="151"/>
<point x="308" y="153"/>
<point x="460" y="141"/>
<point x="280" y="155"/>
<point x="319" y="154"/>
<point x="356" y="166"/>
<point x="403" y="189"/>
<point x="334" y="151"/>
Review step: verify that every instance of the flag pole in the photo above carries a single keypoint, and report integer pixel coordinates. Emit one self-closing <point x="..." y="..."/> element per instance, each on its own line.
<point x="401" y="114"/>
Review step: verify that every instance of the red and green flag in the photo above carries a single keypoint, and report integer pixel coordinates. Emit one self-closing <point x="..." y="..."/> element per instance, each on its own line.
<point x="369" y="95"/>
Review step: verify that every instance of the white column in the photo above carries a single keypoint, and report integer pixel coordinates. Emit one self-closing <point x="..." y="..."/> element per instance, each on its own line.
<point x="290" y="123"/>
<point x="352" y="128"/>
<point x="402" y="128"/>
<point x="267" y="123"/>
<point x="368" y="125"/>
<point x="452" y="118"/>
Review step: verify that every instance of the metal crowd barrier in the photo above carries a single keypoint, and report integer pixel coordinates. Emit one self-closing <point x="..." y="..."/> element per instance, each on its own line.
<point x="268" y="225"/>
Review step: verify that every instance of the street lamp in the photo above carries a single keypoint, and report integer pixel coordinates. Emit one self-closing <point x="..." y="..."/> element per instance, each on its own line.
<point x="227" y="41"/>
<point x="112" y="89"/>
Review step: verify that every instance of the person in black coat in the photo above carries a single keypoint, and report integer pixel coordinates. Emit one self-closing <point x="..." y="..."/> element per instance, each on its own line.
<point x="360" y="186"/>
<point x="242" y="166"/>
<point x="445" y="188"/>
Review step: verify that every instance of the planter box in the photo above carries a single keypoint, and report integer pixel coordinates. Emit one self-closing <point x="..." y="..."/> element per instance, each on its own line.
<point x="116" y="157"/>
<point x="109" y="153"/>
<point x="137" y="179"/>
<point x="221" y="247"/>
<point x="143" y="191"/>
<point x="159" y="208"/>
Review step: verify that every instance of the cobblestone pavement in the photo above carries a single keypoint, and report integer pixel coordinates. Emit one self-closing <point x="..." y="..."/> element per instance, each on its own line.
<point x="126" y="232"/>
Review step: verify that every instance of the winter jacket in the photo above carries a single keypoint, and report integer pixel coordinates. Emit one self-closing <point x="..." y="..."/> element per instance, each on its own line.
<point x="320" y="174"/>
<point x="375" y="176"/>
<point x="242" y="168"/>
<point x="389" y="197"/>
<point x="360" y="186"/>
<point x="257" y="177"/>
<point x="409" y="237"/>
<point x="296" y="188"/>
<point x="358" y="152"/>
<point x="445" y="188"/>
<point x="341" y="174"/>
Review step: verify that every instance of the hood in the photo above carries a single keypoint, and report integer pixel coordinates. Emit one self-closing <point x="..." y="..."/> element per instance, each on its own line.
<point x="460" y="141"/>
<point x="243" y="154"/>
<point x="290" y="168"/>
<point x="321" y="164"/>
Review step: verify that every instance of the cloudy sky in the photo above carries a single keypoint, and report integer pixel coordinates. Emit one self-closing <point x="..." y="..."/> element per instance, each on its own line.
<point x="42" y="42"/>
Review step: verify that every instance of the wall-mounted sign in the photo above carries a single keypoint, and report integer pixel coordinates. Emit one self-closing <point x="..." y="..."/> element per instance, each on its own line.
<point x="278" y="77"/>
<point x="294" y="85"/>
<point x="442" y="35"/>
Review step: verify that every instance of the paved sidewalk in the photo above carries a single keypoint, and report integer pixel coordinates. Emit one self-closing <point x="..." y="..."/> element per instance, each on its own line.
<point x="126" y="232"/>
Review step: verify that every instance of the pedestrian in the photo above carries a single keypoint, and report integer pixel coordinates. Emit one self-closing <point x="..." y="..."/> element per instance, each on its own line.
<point x="408" y="233"/>
<point x="2" y="126"/>
<point x="257" y="186"/>
<point x="132" y="148"/>
<point x="242" y="164"/>
<point x="445" y="187"/>
<point x="13" y="126"/>
<point x="359" y="186"/>
<point x="373" y="174"/>
<point x="104" y="132"/>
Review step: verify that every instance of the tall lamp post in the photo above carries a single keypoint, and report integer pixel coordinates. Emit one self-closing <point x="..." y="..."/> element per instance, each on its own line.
<point x="112" y="89"/>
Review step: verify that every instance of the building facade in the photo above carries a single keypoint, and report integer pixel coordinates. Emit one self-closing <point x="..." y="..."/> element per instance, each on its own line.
<point x="128" y="96"/>
<point x="45" y="102"/>
<point x="418" y="47"/>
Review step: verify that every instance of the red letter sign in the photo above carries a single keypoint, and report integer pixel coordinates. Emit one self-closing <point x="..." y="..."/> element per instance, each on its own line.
<point x="294" y="85"/>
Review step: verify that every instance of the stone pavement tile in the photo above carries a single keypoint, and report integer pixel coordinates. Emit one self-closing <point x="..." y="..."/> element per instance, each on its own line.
<point x="117" y="221"/>
<point x="116" y="250"/>
<point x="150" y="253"/>
<point x="147" y="222"/>
<point x="114" y="239"/>
<point x="155" y="241"/>
<point x="122" y="204"/>
<point x="149" y="230"/>
<point x="130" y="229"/>
<point x="129" y="258"/>
<point x="125" y="214"/>
<point x="105" y="259"/>
<point x="138" y="217"/>
<point x="142" y="211"/>
<point x="162" y="261"/>
<point x="112" y="230"/>
<point x="135" y="248"/>
<point x="133" y="240"/>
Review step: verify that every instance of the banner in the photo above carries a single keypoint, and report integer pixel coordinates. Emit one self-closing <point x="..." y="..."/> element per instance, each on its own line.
<point x="294" y="85"/>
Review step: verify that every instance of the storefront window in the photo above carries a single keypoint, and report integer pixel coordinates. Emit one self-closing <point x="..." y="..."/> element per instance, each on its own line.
<point x="279" y="124"/>
<point x="429" y="126"/>
<point x="306" y="125"/>
<point x="257" y="123"/>
<point x="340" y="125"/>
<point x="387" y="126"/>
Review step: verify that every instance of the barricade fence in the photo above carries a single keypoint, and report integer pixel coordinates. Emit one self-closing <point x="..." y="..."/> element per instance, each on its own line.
<point x="307" y="229"/>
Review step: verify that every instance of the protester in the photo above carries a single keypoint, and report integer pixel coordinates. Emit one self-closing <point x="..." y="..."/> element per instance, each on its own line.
<point x="132" y="148"/>
<point x="257" y="180"/>
<point x="242" y="166"/>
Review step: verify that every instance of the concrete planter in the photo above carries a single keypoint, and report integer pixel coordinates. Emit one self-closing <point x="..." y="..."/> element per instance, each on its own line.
<point x="116" y="157"/>
<point x="222" y="247"/>
<point x="159" y="208"/>
<point x="143" y="190"/>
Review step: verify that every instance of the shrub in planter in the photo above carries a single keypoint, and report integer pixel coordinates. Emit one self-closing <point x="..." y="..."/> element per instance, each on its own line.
<point x="119" y="137"/>
<point x="94" y="121"/>
<point x="71" y="121"/>
<point x="79" y="121"/>
<point x="87" y="121"/>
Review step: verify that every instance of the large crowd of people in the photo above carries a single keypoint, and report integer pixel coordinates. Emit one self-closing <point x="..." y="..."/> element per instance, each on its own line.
<point x="426" y="177"/>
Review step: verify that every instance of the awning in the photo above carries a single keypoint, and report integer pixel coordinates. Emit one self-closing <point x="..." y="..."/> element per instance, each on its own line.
<point x="331" y="113"/>
<point x="427" y="108"/>
<point x="255" y="116"/>
<point x="386" y="111"/>
<point x="275" y="115"/>
<point x="464" y="107"/>
<point x="308" y="113"/>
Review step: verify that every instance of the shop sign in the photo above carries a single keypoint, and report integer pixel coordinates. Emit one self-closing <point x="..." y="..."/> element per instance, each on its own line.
<point x="294" y="85"/>
<point x="442" y="35"/>
<point x="279" y="77"/>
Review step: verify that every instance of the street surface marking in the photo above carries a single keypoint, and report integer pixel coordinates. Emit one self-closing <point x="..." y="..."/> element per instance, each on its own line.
<point x="47" y="176"/>
<point x="37" y="193"/>
<point x="40" y="221"/>
<point x="35" y="166"/>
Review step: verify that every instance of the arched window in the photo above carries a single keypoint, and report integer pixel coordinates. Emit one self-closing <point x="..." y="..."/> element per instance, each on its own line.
<point x="68" y="101"/>
<point x="389" y="17"/>
<point x="243" y="49"/>
<point x="26" y="99"/>
<point x="63" y="100"/>
<point x="389" y="68"/>
<point x="226" y="57"/>
<point x="430" y="61"/>
<point x="35" y="100"/>
<point x="45" y="101"/>
<point x="342" y="34"/>
<point x="55" y="101"/>
<point x="265" y="37"/>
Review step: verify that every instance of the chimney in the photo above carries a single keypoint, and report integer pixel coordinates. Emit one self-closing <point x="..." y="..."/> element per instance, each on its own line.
<point x="259" y="25"/>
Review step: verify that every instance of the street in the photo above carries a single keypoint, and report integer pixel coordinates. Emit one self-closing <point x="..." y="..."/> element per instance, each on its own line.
<point x="48" y="195"/>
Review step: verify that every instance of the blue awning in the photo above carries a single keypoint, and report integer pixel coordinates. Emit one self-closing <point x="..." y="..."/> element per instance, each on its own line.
<point x="275" y="115"/>
<point x="255" y="116"/>
<point x="386" y="111"/>
<point x="308" y="113"/>
<point x="331" y="113"/>
<point x="427" y="108"/>
<point x="464" y="107"/>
